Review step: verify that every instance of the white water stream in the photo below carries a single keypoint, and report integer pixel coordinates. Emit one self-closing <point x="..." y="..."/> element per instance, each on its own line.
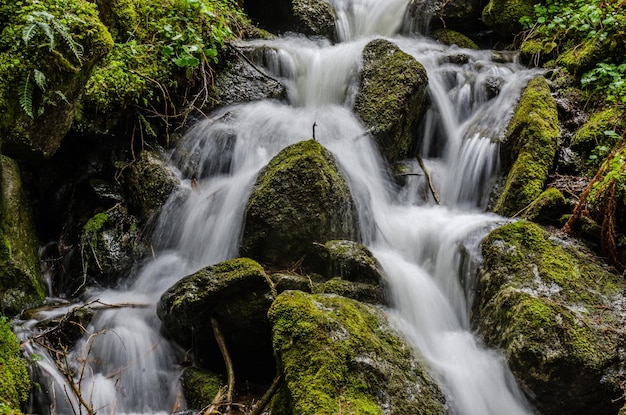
<point x="424" y="248"/>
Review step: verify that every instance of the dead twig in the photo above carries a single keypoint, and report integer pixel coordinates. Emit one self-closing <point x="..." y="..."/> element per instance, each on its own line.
<point x="267" y="396"/>
<point x="429" y="179"/>
<point x="221" y="342"/>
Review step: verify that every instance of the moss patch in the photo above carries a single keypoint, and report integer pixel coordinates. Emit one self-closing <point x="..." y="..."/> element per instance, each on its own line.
<point x="503" y="15"/>
<point x="450" y="37"/>
<point x="532" y="139"/>
<point x="14" y="381"/>
<point x="592" y="133"/>
<point x="340" y="356"/>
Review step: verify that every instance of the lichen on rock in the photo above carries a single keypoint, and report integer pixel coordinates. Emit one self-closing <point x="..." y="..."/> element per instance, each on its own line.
<point x="341" y="356"/>
<point x="558" y="317"/>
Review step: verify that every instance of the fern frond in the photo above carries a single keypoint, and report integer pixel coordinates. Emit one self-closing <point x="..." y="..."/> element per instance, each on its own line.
<point x="40" y="79"/>
<point x="25" y="92"/>
<point x="63" y="97"/>
<point x="64" y="31"/>
<point x="29" y="31"/>
<point x="45" y="27"/>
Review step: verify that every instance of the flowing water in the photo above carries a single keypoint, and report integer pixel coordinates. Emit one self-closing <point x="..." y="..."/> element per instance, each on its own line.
<point x="429" y="251"/>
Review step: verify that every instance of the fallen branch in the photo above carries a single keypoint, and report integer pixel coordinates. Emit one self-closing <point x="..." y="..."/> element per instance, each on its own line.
<point x="219" y="337"/>
<point x="267" y="396"/>
<point x="429" y="179"/>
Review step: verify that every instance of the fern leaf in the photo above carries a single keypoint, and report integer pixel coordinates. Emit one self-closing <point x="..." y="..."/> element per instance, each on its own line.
<point x="29" y="31"/>
<point x="45" y="27"/>
<point x="40" y="79"/>
<point x="63" y="97"/>
<point x="26" y="89"/>
<point x="64" y="31"/>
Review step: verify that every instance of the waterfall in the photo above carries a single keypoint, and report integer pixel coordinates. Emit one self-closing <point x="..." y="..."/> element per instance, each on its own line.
<point x="428" y="251"/>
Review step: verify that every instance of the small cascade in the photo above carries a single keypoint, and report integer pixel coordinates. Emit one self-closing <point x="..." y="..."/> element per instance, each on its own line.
<point x="430" y="252"/>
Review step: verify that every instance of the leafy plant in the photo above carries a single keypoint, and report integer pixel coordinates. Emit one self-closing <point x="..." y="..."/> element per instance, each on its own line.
<point x="608" y="78"/>
<point x="50" y="26"/>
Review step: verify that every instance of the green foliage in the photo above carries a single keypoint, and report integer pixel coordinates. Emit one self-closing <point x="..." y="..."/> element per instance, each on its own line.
<point x="14" y="381"/>
<point x="609" y="79"/>
<point x="45" y="22"/>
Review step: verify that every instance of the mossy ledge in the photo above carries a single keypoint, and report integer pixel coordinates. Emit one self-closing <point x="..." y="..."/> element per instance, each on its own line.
<point x="558" y="317"/>
<point x="14" y="381"/>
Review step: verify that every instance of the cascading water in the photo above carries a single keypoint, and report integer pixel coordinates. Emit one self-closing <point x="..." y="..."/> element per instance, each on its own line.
<point x="125" y="366"/>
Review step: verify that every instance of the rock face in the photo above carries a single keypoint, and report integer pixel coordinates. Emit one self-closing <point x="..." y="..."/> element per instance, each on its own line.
<point x="391" y="97"/>
<point x="341" y="356"/>
<point x="237" y="294"/>
<point x="459" y="15"/>
<point x="558" y="317"/>
<point x="530" y="145"/>
<point x="21" y="284"/>
<point x="503" y="15"/>
<point x="299" y="199"/>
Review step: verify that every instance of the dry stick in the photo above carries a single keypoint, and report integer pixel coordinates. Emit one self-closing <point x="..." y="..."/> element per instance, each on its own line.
<point x="229" y="363"/>
<point x="265" y="399"/>
<point x="429" y="179"/>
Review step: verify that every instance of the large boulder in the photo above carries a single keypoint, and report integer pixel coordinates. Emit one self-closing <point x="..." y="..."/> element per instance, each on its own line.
<point x="14" y="381"/>
<point x="529" y="148"/>
<point x="341" y="356"/>
<point x="503" y="16"/>
<point x="21" y="283"/>
<point x="299" y="199"/>
<point x="391" y="98"/>
<point x="236" y="294"/>
<point x="458" y="15"/>
<point x="557" y="315"/>
<point x="309" y="17"/>
<point x="47" y="57"/>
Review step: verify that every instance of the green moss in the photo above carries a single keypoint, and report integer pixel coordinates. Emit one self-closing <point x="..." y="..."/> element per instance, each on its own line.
<point x="548" y="208"/>
<point x="504" y="15"/>
<point x="391" y="96"/>
<point x="328" y="348"/>
<point x="200" y="387"/>
<point x="534" y="131"/>
<point x="450" y="37"/>
<point x="95" y="224"/>
<point x="14" y="381"/>
<point x="592" y="133"/>
<point x="299" y="198"/>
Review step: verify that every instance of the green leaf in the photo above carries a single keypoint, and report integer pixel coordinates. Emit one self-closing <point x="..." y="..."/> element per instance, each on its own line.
<point x="25" y="92"/>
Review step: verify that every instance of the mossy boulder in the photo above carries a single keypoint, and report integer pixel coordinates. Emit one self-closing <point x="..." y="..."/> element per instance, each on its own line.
<point x="21" y="283"/>
<point x="112" y="244"/>
<point x="341" y="356"/>
<point x="503" y="16"/>
<point x="592" y="133"/>
<point x="450" y="37"/>
<point x="300" y="198"/>
<point x="236" y="294"/>
<point x="200" y="386"/>
<point x="548" y="208"/>
<point x="42" y="74"/>
<point x="457" y="15"/>
<point x="391" y="97"/>
<point x="148" y="182"/>
<point x="558" y="317"/>
<point x="238" y="81"/>
<point x="309" y="17"/>
<point x="530" y="146"/>
<point x="14" y="381"/>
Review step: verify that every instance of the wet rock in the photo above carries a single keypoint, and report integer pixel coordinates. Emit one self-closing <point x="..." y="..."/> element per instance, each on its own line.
<point x="148" y="182"/>
<point x="450" y="37"/>
<point x="237" y="294"/>
<point x="300" y="198"/>
<point x="342" y="356"/>
<point x="21" y="283"/>
<point x="548" y="208"/>
<point x="595" y="134"/>
<point x="558" y="316"/>
<point x="503" y="15"/>
<point x="529" y="148"/>
<point x="112" y="244"/>
<point x="239" y="81"/>
<point x="493" y="85"/>
<point x="391" y="97"/>
<point x="458" y="15"/>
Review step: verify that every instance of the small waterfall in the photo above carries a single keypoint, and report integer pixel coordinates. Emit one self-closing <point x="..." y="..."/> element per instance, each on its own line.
<point x="124" y="365"/>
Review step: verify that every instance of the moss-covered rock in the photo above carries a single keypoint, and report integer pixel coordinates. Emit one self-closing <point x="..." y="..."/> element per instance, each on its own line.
<point x="548" y="208"/>
<point x="503" y="16"/>
<point x="300" y="198"/>
<point x="558" y="317"/>
<point x="112" y="243"/>
<point x="21" y="283"/>
<point x="391" y="97"/>
<point x="148" y="182"/>
<point x="458" y="15"/>
<point x="340" y="356"/>
<point x="450" y="37"/>
<point x="200" y="387"/>
<point x="43" y="73"/>
<point x="237" y="294"/>
<point x="592" y="133"/>
<point x="531" y="143"/>
<point x="14" y="381"/>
